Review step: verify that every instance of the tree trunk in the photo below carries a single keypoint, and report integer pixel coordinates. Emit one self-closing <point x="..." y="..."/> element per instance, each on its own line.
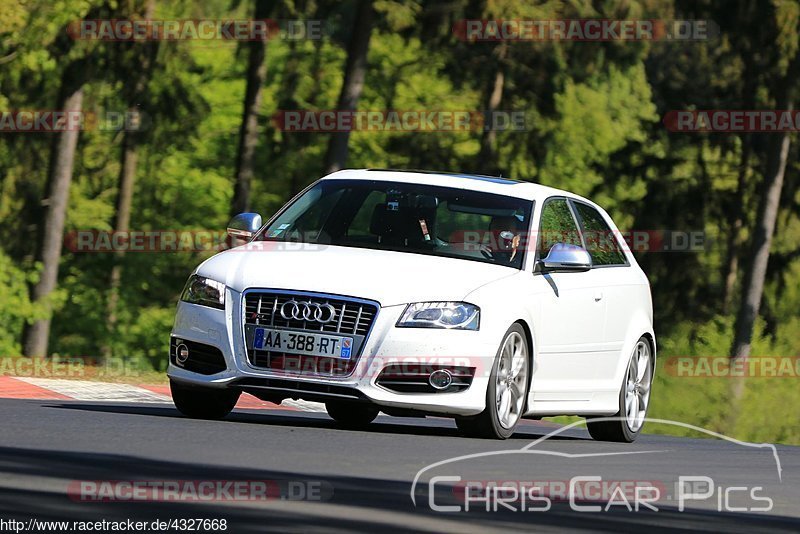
<point x="487" y="157"/>
<point x="248" y="132"/>
<point x="738" y="209"/>
<point x="753" y="288"/>
<point x="768" y="206"/>
<point x="731" y="269"/>
<point x="62" y="159"/>
<point x="127" y="177"/>
<point x="354" y="74"/>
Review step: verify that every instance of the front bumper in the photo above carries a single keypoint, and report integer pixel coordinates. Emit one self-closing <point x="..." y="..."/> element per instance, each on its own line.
<point x="385" y="345"/>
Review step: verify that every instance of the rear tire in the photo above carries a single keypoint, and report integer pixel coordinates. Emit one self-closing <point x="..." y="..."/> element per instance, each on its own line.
<point x="203" y="403"/>
<point x="507" y="392"/>
<point x="634" y="399"/>
<point x="351" y="414"/>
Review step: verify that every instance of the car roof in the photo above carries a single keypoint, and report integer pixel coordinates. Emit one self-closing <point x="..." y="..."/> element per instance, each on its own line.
<point x="474" y="182"/>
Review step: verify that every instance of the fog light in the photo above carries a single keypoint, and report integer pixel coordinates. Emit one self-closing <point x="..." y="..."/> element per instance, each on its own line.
<point x="440" y="379"/>
<point x="181" y="353"/>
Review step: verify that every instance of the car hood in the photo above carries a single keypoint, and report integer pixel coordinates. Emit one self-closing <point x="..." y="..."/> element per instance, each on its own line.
<point x="385" y="276"/>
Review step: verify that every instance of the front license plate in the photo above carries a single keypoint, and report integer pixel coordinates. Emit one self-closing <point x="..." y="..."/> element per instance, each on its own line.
<point x="303" y="343"/>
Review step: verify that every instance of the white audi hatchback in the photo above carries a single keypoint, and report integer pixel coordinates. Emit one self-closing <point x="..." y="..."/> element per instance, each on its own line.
<point x="421" y="293"/>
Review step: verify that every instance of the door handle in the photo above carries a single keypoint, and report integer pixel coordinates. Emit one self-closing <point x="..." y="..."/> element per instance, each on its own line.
<point x="598" y="296"/>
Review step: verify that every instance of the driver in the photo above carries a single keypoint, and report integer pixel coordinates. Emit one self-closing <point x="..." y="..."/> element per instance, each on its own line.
<point x="505" y="239"/>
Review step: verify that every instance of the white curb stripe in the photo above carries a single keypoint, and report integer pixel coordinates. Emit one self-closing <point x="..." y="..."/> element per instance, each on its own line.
<point x="84" y="390"/>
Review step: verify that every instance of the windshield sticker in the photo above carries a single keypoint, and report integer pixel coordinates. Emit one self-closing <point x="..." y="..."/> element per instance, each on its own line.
<point x="424" y="227"/>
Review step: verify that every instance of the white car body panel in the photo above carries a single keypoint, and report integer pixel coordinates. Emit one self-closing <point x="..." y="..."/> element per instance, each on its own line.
<point x="582" y="326"/>
<point x="392" y="277"/>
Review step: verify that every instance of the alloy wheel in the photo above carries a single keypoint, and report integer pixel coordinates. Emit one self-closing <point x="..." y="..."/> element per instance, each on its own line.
<point x="637" y="386"/>
<point x="511" y="380"/>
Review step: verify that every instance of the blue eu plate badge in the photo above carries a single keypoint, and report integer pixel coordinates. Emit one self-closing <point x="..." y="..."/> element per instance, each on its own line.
<point x="347" y="346"/>
<point x="258" y="342"/>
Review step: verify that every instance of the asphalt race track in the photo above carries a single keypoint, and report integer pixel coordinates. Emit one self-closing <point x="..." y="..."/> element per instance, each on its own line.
<point x="360" y="480"/>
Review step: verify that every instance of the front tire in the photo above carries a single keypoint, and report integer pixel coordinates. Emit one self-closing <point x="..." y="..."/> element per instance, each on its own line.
<point x="634" y="399"/>
<point x="507" y="392"/>
<point x="203" y="403"/>
<point x="351" y="414"/>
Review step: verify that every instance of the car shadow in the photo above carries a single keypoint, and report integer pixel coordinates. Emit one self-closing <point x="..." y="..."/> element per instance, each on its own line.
<point x="434" y="426"/>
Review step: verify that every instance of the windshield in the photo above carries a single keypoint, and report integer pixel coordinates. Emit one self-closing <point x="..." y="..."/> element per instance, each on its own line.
<point x="422" y="219"/>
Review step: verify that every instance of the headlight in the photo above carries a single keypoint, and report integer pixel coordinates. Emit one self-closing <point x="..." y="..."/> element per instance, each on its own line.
<point x="202" y="290"/>
<point x="458" y="315"/>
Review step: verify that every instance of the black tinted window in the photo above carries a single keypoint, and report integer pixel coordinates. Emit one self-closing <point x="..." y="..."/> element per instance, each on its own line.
<point x="600" y="240"/>
<point x="422" y="219"/>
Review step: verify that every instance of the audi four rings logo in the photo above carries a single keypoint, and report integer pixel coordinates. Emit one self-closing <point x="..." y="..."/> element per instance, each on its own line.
<point x="308" y="311"/>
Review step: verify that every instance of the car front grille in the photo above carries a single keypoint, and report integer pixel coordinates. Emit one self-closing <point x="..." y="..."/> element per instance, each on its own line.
<point x="354" y="318"/>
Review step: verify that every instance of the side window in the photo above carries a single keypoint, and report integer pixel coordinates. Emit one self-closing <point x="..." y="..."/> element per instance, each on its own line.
<point x="557" y="226"/>
<point x="600" y="240"/>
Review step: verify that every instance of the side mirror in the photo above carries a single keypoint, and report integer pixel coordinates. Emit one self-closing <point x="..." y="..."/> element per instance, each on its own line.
<point x="566" y="258"/>
<point x="244" y="225"/>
